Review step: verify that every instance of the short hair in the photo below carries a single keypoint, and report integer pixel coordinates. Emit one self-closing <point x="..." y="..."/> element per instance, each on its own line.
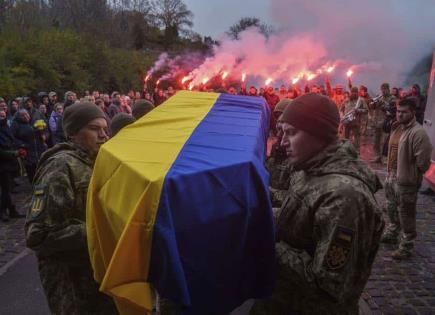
<point x="408" y="102"/>
<point x="385" y="86"/>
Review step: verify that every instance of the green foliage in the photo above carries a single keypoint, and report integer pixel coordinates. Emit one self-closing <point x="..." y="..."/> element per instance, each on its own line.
<point x="63" y="60"/>
<point x="249" y="22"/>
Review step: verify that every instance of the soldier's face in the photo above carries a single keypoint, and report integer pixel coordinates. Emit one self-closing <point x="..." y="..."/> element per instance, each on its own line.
<point x="92" y="136"/>
<point x="299" y="145"/>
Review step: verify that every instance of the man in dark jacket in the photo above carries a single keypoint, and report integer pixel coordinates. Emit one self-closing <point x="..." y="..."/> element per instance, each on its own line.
<point x="29" y="138"/>
<point x="8" y="166"/>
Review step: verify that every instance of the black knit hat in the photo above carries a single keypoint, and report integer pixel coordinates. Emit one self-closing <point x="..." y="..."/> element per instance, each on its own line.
<point x="78" y="116"/>
<point x="141" y="107"/>
<point x="119" y="121"/>
<point x="315" y="114"/>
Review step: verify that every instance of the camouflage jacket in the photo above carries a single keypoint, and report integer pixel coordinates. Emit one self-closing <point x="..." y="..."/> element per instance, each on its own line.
<point x="55" y="224"/>
<point x="56" y="230"/>
<point x="379" y="111"/>
<point x="328" y="232"/>
<point x="278" y="169"/>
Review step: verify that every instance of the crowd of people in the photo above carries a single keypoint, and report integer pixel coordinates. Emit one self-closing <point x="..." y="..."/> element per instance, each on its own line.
<point x="329" y="224"/>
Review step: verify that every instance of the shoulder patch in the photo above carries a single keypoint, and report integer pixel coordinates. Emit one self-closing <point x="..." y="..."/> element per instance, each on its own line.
<point x="339" y="249"/>
<point x="38" y="200"/>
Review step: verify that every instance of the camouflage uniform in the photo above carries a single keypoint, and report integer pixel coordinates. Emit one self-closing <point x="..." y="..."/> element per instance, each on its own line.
<point x="328" y="233"/>
<point x="353" y="130"/>
<point x="401" y="210"/>
<point x="379" y="117"/>
<point x="278" y="169"/>
<point x="56" y="230"/>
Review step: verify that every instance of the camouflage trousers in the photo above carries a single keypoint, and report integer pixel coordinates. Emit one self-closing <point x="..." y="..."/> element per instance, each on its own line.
<point x="401" y="211"/>
<point x="352" y="132"/>
<point x="71" y="290"/>
<point x="378" y="142"/>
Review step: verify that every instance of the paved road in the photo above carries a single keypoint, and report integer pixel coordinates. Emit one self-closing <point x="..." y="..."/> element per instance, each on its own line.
<point x="20" y="289"/>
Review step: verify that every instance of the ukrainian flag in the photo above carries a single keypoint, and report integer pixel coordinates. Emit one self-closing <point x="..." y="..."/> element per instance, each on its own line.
<point x="179" y="203"/>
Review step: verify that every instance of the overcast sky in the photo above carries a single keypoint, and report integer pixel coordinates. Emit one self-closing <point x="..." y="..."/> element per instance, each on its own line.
<point x="394" y="34"/>
<point x="212" y="18"/>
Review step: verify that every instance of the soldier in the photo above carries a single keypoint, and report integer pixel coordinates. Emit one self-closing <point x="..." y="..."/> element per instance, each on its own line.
<point x="352" y="111"/>
<point x="277" y="164"/>
<point x="409" y="153"/>
<point x="379" y="106"/>
<point x="329" y="226"/>
<point x="55" y="225"/>
<point x="337" y="94"/>
<point x="363" y="93"/>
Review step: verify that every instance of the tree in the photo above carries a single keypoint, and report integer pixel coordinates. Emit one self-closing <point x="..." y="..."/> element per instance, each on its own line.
<point x="173" y="16"/>
<point x="248" y="22"/>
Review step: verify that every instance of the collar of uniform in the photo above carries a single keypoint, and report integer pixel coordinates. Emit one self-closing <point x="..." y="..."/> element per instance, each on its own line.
<point x="83" y="153"/>
<point x="320" y="157"/>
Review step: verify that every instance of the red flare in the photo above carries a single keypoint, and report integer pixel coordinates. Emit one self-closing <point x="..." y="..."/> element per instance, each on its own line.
<point x="349" y="73"/>
<point x="184" y="79"/>
<point x="158" y="81"/>
<point x="268" y="81"/>
<point x="190" y="86"/>
<point x="243" y="77"/>
<point x="205" y="80"/>
<point x="311" y="76"/>
<point x="295" y="80"/>
<point x="224" y="75"/>
<point x="330" y="69"/>
<point x="147" y="77"/>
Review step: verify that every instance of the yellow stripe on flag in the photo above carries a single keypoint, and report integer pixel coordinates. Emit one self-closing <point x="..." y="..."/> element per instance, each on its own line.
<point x="124" y="196"/>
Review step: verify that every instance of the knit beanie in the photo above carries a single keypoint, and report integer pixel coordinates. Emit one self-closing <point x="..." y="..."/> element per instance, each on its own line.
<point x="141" y="108"/>
<point x="119" y="121"/>
<point x="282" y="104"/>
<point x="78" y="116"/>
<point x="314" y="114"/>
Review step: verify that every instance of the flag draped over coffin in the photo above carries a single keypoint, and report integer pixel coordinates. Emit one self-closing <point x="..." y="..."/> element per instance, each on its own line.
<point x="179" y="202"/>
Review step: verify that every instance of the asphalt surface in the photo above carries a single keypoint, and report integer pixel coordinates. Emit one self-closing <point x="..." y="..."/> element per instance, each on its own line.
<point x="21" y="292"/>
